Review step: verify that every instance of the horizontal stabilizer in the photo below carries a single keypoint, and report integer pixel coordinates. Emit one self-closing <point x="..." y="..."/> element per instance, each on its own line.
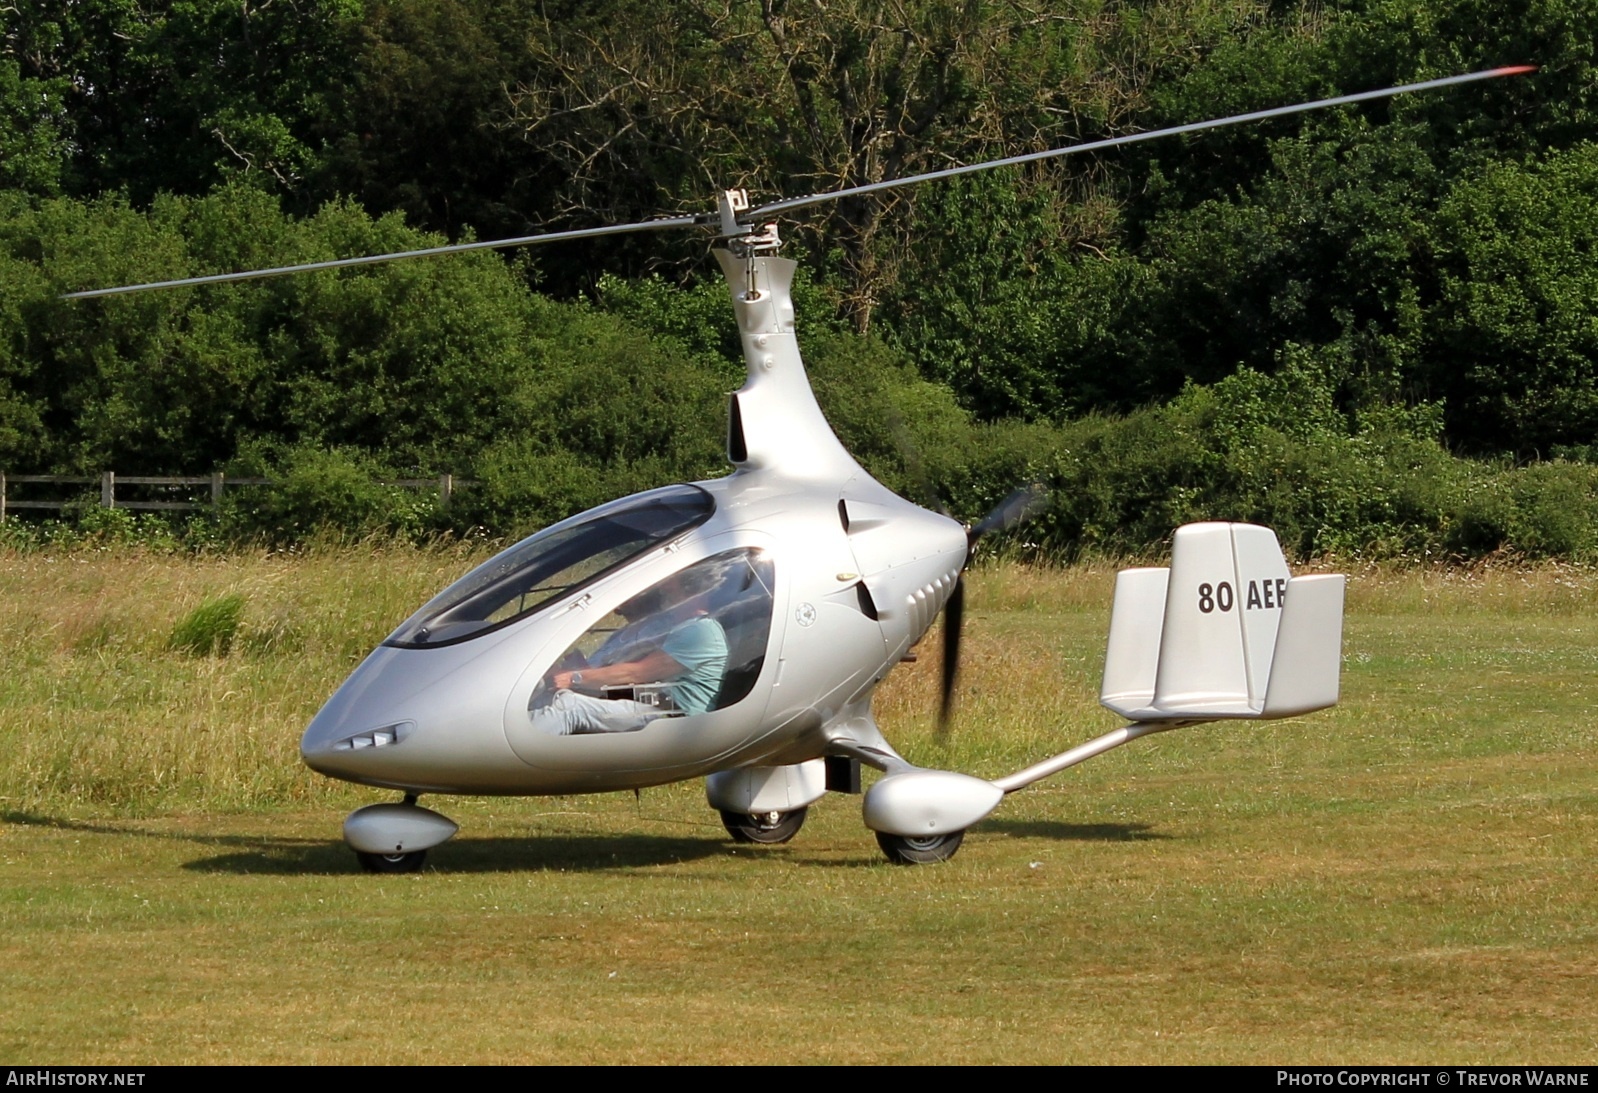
<point x="1213" y="637"/>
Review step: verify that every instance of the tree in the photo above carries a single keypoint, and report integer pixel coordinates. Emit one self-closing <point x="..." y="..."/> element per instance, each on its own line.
<point x="176" y="96"/>
<point x="650" y="106"/>
<point x="33" y="146"/>
<point x="422" y="126"/>
<point x="1511" y="342"/>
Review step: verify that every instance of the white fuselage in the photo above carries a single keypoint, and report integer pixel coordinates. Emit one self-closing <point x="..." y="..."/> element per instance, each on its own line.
<point x="858" y="576"/>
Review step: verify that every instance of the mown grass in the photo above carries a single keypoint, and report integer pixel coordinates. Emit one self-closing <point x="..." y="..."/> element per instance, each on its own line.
<point x="1406" y="878"/>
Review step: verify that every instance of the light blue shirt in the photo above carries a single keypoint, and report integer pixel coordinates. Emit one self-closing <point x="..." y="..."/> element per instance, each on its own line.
<point x="700" y="646"/>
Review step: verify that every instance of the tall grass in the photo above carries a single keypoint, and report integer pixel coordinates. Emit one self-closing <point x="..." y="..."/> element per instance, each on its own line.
<point x="137" y="680"/>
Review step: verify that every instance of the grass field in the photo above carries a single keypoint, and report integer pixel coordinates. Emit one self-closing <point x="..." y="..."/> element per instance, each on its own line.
<point x="1406" y="878"/>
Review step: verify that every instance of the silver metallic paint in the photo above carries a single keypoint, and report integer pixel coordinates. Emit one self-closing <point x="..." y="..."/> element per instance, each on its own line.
<point x="790" y="495"/>
<point x="859" y="576"/>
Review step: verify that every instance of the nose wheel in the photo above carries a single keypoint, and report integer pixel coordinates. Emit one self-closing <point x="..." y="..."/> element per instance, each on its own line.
<point x="395" y="838"/>
<point x="919" y="849"/>
<point x="391" y="863"/>
<point x="763" y="827"/>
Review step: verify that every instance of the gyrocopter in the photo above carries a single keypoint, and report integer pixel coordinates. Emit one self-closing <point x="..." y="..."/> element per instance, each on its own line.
<point x="736" y="629"/>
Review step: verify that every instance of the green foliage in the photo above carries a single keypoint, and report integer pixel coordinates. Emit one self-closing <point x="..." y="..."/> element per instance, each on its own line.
<point x="1377" y="42"/>
<point x="176" y="97"/>
<point x="107" y="526"/>
<point x="1547" y="510"/>
<point x="1512" y="338"/>
<point x="604" y="411"/>
<point x="208" y="630"/>
<point x="318" y="491"/>
<point x="415" y="360"/>
<point x="89" y="526"/>
<point x="909" y="433"/>
<point x="330" y="384"/>
<point x="638" y="102"/>
<point x="694" y="317"/>
<point x="33" y="148"/>
<point x="1295" y="322"/>
<point x="419" y="127"/>
<point x="1271" y="449"/>
<point x="1016" y="304"/>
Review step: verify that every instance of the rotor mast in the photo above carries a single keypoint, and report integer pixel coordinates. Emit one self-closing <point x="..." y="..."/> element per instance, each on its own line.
<point x="773" y="420"/>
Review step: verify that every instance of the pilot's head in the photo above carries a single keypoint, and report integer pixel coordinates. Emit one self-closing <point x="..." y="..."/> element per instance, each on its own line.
<point x="674" y="591"/>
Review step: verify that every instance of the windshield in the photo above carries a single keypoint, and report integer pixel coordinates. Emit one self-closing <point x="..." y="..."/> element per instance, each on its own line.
<point x="558" y="560"/>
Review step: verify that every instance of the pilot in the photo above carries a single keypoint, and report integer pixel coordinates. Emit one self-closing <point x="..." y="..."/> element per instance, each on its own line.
<point x="688" y="664"/>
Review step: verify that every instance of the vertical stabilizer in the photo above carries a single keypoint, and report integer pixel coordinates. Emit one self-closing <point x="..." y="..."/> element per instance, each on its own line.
<point x="1212" y="636"/>
<point x="1306" y="672"/>
<point x="1261" y="582"/>
<point x="1132" y="656"/>
<point x="1216" y="645"/>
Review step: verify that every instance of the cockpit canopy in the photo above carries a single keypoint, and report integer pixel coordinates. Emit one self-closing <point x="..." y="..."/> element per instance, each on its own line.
<point x="551" y="564"/>
<point x="732" y="590"/>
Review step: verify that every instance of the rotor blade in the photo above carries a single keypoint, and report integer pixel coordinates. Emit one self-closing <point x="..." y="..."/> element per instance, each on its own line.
<point x="1133" y="138"/>
<point x="1023" y="504"/>
<point x="372" y="259"/>
<point x="953" y="623"/>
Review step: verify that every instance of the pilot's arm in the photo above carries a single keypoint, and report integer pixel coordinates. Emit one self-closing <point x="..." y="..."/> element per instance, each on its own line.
<point x="653" y="667"/>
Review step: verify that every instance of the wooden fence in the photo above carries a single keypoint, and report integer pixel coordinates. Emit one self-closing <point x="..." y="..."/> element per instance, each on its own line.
<point x="191" y="485"/>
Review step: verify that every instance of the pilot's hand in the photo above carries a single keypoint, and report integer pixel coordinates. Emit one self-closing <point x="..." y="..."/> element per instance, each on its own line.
<point x="563" y="680"/>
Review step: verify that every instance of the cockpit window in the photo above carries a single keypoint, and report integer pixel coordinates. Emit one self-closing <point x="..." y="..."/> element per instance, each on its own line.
<point x="692" y="643"/>
<point x="556" y="561"/>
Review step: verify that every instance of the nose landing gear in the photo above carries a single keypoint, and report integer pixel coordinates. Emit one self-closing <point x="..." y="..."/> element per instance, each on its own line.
<point x="395" y="838"/>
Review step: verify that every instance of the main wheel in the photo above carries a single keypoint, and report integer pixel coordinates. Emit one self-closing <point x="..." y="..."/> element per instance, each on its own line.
<point x="391" y="863"/>
<point x="763" y="827"/>
<point x="919" y="849"/>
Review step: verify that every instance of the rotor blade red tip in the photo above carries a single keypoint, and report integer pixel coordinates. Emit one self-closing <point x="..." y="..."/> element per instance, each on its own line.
<point x="1514" y="70"/>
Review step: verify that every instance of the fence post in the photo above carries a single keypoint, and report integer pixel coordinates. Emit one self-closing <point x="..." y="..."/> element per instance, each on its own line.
<point x="446" y="487"/>
<point x="108" y="489"/>
<point x="2" y="497"/>
<point x="216" y="489"/>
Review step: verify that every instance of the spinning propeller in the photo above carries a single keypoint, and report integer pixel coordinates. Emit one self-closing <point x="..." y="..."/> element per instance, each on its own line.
<point x="1021" y="505"/>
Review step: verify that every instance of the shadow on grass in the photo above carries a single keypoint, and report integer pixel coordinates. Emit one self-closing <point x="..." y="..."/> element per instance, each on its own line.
<point x="290" y="855"/>
<point x="545" y="853"/>
<point x="111" y="827"/>
<point x="309" y="855"/>
<point x="1093" y="833"/>
<point x="1018" y="829"/>
<point x="588" y="853"/>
